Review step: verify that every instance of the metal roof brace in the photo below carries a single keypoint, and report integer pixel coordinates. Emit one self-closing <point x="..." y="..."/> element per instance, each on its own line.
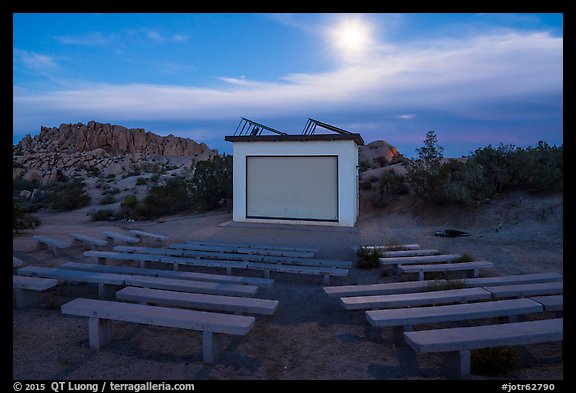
<point x="251" y="128"/>
<point x="311" y="124"/>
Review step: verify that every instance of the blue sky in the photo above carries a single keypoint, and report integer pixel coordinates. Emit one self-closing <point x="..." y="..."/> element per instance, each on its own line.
<point x="475" y="79"/>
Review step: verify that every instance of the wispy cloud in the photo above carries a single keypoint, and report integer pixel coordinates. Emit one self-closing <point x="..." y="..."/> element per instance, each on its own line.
<point x="160" y="38"/>
<point x="406" y="117"/>
<point x="89" y="39"/>
<point x="469" y="78"/>
<point x="36" y="62"/>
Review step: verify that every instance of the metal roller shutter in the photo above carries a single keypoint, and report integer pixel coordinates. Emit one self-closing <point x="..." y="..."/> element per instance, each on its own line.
<point x="292" y="187"/>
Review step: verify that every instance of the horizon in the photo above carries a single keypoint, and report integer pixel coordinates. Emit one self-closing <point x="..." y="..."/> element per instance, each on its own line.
<point x="474" y="79"/>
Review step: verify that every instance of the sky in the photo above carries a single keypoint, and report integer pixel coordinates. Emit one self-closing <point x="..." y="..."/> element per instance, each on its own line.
<point x="475" y="79"/>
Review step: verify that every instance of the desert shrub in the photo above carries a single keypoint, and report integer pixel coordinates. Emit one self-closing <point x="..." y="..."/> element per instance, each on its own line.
<point x="132" y="207"/>
<point x="92" y="171"/>
<point x="464" y="258"/>
<point x="212" y="183"/>
<point x="390" y="184"/>
<point x="365" y="184"/>
<point x="107" y="200"/>
<point x="141" y="181"/>
<point x="381" y="161"/>
<point x="110" y="176"/>
<point x="102" y="215"/>
<point x="70" y="196"/>
<point x="443" y="285"/>
<point x="22" y="219"/>
<point x="155" y="177"/>
<point x="170" y="198"/>
<point x="494" y="361"/>
<point x="363" y="165"/>
<point x="368" y="258"/>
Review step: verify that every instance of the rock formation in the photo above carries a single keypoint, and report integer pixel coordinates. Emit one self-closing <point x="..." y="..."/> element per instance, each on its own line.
<point x="110" y="149"/>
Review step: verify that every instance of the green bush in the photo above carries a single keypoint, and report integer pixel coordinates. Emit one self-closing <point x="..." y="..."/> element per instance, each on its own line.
<point x="141" y="181"/>
<point x="102" y="215"/>
<point x="107" y="200"/>
<point x="363" y="165"/>
<point x="494" y="361"/>
<point x="70" y="196"/>
<point x="368" y="258"/>
<point x="212" y="183"/>
<point x="170" y="198"/>
<point x="21" y="219"/>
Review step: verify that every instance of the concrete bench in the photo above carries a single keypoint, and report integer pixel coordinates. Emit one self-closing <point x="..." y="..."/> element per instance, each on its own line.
<point x="102" y="256"/>
<point x="398" y="247"/>
<point x="407" y="317"/>
<point x="425" y="285"/>
<point x="415" y="299"/>
<point x="175" y="261"/>
<point x="28" y="289"/>
<point x="243" y="250"/>
<point x="93" y="267"/>
<point x="174" y="284"/>
<point x="458" y="342"/>
<point x="550" y="303"/>
<point x="198" y="301"/>
<point x="16" y="262"/>
<point x="92" y="242"/>
<point x="232" y="256"/>
<point x="410" y="253"/>
<point x="158" y="239"/>
<point x="474" y="267"/>
<point x="50" y="243"/>
<point x="525" y="290"/>
<point x="106" y="282"/>
<point x="324" y="271"/>
<point x="120" y="237"/>
<point x="101" y="315"/>
<point x="253" y="245"/>
<point x="395" y="261"/>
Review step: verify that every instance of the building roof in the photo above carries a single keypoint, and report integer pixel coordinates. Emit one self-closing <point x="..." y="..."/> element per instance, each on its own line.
<point x="296" y="138"/>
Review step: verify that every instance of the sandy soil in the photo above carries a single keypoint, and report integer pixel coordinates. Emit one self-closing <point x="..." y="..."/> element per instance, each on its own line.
<point x="311" y="336"/>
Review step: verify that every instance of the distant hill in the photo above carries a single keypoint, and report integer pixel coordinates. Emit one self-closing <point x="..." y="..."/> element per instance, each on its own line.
<point x="110" y="149"/>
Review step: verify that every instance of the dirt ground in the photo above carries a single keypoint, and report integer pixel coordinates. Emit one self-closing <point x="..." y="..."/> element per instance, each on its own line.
<point x="311" y="337"/>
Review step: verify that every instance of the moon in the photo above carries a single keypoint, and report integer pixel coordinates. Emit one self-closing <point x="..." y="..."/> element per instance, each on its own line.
<point x="351" y="37"/>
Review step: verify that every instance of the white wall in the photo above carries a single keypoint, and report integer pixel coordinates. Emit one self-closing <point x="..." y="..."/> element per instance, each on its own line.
<point x="347" y="152"/>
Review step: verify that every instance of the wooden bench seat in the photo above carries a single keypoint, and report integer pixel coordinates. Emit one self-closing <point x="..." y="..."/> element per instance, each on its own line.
<point x="410" y="253"/>
<point x="458" y="342"/>
<point x="474" y="267"/>
<point x="28" y="289"/>
<point x="101" y="315"/>
<point x="407" y="317"/>
<point x="420" y="286"/>
<point x="199" y="300"/>
<point x="157" y="238"/>
<point x="550" y="302"/>
<point x="51" y="244"/>
<point x="120" y="237"/>
<point x="183" y="275"/>
<point x="525" y="290"/>
<point x="415" y="299"/>
<point x="324" y="271"/>
<point x="85" y="240"/>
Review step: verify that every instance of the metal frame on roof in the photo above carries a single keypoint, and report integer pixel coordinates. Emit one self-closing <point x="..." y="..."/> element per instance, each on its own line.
<point x="251" y="128"/>
<point x="310" y="127"/>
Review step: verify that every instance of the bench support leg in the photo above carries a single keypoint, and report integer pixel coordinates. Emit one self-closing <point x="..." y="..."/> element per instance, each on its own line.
<point x="266" y="273"/>
<point x="420" y="276"/>
<point x="326" y="279"/>
<point x="106" y="291"/>
<point x="26" y="298"/>
<point x="212" y="346"/>
<point x="475" y="273"/>
<point x="100" y="332"/>
<point x="229" y="271"/>
<point x="457" y="363"/>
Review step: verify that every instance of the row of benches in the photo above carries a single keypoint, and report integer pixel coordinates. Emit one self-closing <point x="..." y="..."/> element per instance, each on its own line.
<point x="132" y="236"/>
<point x="266" y="264"/>
<point x="152" y="299"/>
<point x="410" y="303"/>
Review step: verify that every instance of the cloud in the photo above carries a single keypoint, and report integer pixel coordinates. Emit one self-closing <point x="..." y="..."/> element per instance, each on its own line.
<point x="160" y="38"/>
<point x="89" y="39"/>
<point x="35" y="61"/>
<point x="405" y="117"/>
<point x="472" y="77"/>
